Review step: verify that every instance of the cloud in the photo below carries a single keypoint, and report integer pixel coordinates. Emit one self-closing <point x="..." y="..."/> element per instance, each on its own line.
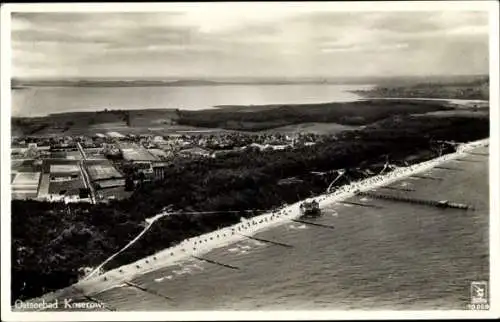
<point x="256" y="40"/>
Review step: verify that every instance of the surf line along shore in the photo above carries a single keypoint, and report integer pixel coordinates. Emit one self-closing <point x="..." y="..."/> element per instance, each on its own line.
<point x="204" y="243"/>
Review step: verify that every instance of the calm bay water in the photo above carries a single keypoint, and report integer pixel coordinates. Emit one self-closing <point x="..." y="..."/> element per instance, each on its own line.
<point x="399" y="256"/>
<point x="39" y="101"/>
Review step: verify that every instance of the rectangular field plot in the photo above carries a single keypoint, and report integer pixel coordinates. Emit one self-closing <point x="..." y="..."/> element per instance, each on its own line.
<point x="64" y="168"/>
<point x="58" y="155"/>
<point x="74" y="155"/>
<point x="94" y="154"/>
<point x="134" y="152"/>
<point x="23" y="195"/>
<point x="66" y="187"/>
<point x="26" y="179"/>
<point x="25" y="185"/>
<point x="103" y="171"/>
<point x="103" y="184"/>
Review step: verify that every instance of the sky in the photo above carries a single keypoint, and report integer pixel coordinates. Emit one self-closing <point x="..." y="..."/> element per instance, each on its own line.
<point x="248" y="41"/>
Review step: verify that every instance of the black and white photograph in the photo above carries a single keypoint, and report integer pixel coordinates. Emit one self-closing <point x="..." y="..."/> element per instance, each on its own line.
<point x="249" y="160"/>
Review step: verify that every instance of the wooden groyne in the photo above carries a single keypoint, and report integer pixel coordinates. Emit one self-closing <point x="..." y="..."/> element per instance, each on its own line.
<point x="214" y="262"/>
<point x="426" y="177"/>
<point x="312" y="223"/>
<point x="467" y="160"/>
<point x="398" y="189"/>
<point x="147" y="290"/>
<point x="359" y="204"/>
<point x="268" y="241"/>
<point x="447" y="168"/>
<point x="477" y="153"/>
<point x="433" y="203"/>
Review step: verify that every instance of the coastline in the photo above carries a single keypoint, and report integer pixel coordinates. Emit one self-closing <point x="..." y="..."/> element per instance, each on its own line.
<point x="202" y="244"/>
<point x="359" y="96"/>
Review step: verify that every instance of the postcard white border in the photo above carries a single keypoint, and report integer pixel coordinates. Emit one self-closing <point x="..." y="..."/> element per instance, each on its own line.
<point x="7" y="315"/>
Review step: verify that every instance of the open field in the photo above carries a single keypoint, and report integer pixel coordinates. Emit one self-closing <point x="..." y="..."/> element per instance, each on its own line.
<point x="317" y="128"/>
<point x="102" y="171"/>
<point x="64" y="169"/>
<point x="66" y="187"/>
<point x="90" y="123"/>
<point x="25" y="185"/>
<point x="25" y="178"/>
<point x="134" y="152"/>
<point x="48" y="163"/>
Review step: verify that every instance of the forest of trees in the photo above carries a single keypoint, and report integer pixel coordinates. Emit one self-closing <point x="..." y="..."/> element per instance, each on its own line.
<point x="348" y="113"/>
<point x="52" y="241"/>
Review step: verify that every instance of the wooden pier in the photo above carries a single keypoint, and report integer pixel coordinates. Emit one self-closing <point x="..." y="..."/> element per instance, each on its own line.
<point x="434" y="203"/>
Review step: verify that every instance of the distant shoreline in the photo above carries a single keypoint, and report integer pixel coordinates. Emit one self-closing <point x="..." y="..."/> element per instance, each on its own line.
<point x="243" y="80"/>
<point x="119" y="84"/>
<point x="472" y="90"/>
<point x="247" y="118"/>
<point x="251" y="108"/>
<point x="349" y="90"/>
<point x="32" y="101"/>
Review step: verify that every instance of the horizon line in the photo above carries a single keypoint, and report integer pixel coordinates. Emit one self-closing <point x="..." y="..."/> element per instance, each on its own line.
<point x="239" y="77"/>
